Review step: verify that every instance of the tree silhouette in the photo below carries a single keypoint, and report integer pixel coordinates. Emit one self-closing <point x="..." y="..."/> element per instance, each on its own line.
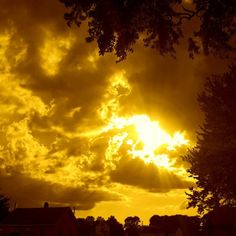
<point x="117" y="25"/>
<point x="101" y="227"/>
<point x="188" y="224"/>
<point x="155" y="220"/>
<point x="4" y="206"/>
<point x="116" y="229"/>
<point x="86" y="226"/>
<point x="213" y="159"/>
<point x="132" y="225"/>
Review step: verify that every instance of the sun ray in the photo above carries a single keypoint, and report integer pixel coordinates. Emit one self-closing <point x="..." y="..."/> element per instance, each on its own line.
<point x="146" y="139"/>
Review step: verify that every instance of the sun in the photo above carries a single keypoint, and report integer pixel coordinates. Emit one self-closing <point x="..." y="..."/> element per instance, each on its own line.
<point x="146" y="139"/>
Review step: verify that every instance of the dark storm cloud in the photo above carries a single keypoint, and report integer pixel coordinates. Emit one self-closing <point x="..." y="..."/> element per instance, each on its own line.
<point x="26" y="192"/>
<point x="148" y="176"/>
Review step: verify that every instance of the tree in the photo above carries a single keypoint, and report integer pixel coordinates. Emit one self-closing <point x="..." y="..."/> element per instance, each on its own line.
<point x="86" y="226"/>
<point x="189" y="224"/>
<point x="213" y="159"/>
<point x="132" y="225"/>
<point x="101" y="227"/>
<point x="4" y="206"/>
<point x="116" y="229"/>
<point x="155" y="220"/>
<point x="117" y="25"/>
<point x="82" y="227"/>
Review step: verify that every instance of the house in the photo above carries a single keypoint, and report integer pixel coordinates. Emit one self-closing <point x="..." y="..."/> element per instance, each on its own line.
<point x="47" y="221"/>
<point x="161" y="231"/>
<point x="220" y="222"/>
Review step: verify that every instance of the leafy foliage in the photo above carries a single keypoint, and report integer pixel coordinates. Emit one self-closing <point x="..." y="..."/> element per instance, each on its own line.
<point x="116" y="25"/>
<point x="87" y="227"/>
<point x="132" y="225"/>
<point x="116" y="229"/>
<point x="213" y="159"/>
<point x="189" y="224"/>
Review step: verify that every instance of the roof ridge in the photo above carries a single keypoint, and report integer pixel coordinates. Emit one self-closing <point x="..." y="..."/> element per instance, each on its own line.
<point x="32" y="216"/>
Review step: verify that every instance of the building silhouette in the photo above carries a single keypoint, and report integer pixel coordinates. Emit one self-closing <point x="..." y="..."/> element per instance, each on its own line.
<point x="47" y="221"/>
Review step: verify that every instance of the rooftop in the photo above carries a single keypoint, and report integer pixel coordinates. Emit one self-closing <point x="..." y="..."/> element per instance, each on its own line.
<point x="35" y="216"/>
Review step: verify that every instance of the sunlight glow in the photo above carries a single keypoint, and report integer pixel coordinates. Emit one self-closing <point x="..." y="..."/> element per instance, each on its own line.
<point x="146" y="139"/>
<point x="117" y="88"/>
<point x="136" y="136"/>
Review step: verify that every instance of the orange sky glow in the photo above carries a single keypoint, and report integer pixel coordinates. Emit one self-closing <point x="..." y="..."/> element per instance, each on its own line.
<point x="79" y="129"/>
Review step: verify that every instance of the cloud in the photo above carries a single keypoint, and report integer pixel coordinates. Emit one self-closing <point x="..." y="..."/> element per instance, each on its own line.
<point x="28" y="192"/>
<point x="148" y="176"/>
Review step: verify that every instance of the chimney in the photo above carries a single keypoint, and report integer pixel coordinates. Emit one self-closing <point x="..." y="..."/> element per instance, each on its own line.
<point x="45" y="205"/>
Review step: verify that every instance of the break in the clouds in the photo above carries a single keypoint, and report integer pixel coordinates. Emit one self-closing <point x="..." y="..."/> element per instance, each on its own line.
<point x="71" y="121"/>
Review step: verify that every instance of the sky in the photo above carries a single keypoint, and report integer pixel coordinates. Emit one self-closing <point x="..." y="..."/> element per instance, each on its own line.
<point x="81" y="130"/>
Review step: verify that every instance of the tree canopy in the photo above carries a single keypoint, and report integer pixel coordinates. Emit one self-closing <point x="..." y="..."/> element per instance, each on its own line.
<point x="132" y="225"/>
<point x="213" y="159"/>
<point x="117" y="25"/>
<point x="189" y="224"/>
<point x="116" y="229"/>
